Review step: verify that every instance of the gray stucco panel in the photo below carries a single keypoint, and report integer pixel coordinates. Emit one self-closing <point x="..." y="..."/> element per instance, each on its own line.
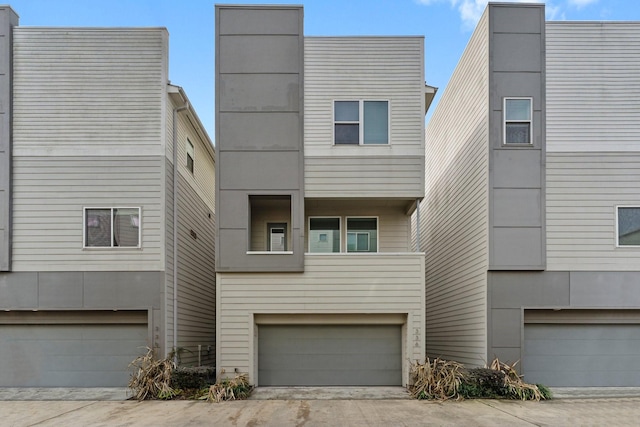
<point x="605" y="289"/>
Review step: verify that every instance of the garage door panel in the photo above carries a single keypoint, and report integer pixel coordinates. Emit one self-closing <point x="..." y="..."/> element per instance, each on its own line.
<point x="329" y="355"/>
<point x="69" y="355"/>
<point x="589" y="355"/>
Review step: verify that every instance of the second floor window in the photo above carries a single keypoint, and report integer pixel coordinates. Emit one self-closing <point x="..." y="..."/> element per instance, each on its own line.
<point x="190" y="155"/>
<point x="111" y="227"/>
<point x="361" y="122"/>
<point x="628" y="221"/>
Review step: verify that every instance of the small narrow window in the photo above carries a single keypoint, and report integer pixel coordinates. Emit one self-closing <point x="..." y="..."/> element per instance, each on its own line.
<point x="277" y="237"/>
<point x="628" y="225"/>
<point x="362" y="235"/>
<point x="517" y="120"/>
<point x="324" y="235"/>
<point x="190" y="155"/>
<point x="112" y="227"/>
<point x="361" y="122"/>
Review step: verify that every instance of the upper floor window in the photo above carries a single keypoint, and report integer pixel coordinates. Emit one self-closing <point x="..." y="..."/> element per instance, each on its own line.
<point x="112" y="227"/>
<point x="324" y="234"/>
<point x="190" y="155"/>
<point x="628" y="219"/>
<point x="361" y="122"/>
<point x="362" y="234"/>
<point x="517" y="120"/>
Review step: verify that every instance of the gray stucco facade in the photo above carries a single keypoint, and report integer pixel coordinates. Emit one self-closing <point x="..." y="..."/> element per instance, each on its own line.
<point x="259" y="117"/>
<point x="8" y="19"/>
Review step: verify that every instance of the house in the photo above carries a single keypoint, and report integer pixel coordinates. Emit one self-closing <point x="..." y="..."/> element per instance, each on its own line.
<point x="106" y="207"/>
<point x="320" y="165"/>
<point x="532" y="206"/>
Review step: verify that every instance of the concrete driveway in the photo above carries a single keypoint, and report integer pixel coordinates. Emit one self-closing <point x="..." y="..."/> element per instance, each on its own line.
<point x="402" y="412"/>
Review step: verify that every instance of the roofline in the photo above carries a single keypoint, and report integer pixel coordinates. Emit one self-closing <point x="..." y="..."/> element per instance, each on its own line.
<point x="178" y="90"/>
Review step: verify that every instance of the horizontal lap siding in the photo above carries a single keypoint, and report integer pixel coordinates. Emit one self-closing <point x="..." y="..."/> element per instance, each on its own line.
<point x="88" y="91"/>
<point x="49" y="196"/>
<point x="593" y="86"/>
<point x="364" y="68"/>
<point x="454" y="213"/>
<point x="583" y="190"/>
<point x="330" y="284"/>
<point x="593" y="134"/>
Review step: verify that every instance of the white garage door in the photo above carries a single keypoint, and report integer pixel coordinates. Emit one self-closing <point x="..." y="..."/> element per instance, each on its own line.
<point x="582" y="355"/>
<point x="65" y="353"/>
<point x="329" y="355"/>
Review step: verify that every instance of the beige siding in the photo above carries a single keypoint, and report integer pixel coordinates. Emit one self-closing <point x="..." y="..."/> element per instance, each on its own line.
<point x="49" y="196"/>
<point x="592" y="86"/>
<point x="454" y="213"/>
<point x="583" y="190"/>
<point x="393" y="223"/>
<point x="364" y="68"/>
<point x="331" y="284"/>
<point x="88" y="91"/>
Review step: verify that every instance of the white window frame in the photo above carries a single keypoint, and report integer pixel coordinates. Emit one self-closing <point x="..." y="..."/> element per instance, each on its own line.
<point x="346" y="231"/>
<point x="617" y="232"/>
<point x="360" y="122"/>
<point x="505" y="121"/>
<point x="324" y="217"/>
<point x="191" y="152"/>
<point x="111" y="208"/>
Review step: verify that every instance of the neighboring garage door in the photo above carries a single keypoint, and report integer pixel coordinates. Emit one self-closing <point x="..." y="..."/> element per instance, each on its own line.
<point x="69" y="349"/>
<point x="582" y="355"/>
<point x="329" y="355"/>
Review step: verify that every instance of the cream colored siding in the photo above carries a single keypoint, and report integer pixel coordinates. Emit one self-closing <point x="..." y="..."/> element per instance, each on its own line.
<point x="330" y="285"/>
<point x="87" y="92"/>
<point x="592" y="86"/>
<point x="454" y="213"/>
<point x="583" y="190"/>
<point x="49" y="196"/>
<point x="364" y="68"/>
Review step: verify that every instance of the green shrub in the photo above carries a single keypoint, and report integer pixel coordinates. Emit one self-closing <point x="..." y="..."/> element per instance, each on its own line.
<point x="193" y="377"/>
<point x="482" y="383"/>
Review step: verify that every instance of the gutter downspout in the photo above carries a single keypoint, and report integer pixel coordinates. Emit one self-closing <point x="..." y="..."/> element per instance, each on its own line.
<point x="418" y="225"/>
<point x="175" y="228"/>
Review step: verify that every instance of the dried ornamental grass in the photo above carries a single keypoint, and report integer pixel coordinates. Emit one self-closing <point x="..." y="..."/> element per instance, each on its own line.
<point x="437" y="379"/>
<point x="236" y="388"/>
<point x="515" y="385"/>
<point x="152" y="378"/>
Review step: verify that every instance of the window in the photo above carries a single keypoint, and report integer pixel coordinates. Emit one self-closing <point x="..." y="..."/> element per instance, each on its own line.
<point x="628" y="225"/>
<point x="517" y="120"/>
<point x="277" y="237"/>
<point x="362" y="235"/>
<point x="324" y="235"/>
<point x="112" y="227"/>
<point x="361" y="122"/>
<point x="190" y="155"/>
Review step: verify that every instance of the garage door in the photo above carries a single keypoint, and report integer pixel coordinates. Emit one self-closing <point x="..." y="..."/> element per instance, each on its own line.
<point x="65" y="353"/>
<point x="319" y="355"/>
<point x="582" y="355"/>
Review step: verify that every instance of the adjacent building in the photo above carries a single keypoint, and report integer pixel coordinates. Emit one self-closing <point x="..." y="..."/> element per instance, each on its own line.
<point x="531" y="214"/>
<point x="320" y="145"/>
<point x="107" y="210"/>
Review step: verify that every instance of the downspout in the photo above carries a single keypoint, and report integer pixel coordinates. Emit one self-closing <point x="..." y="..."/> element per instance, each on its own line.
<point x="175" y="228"/>
<point x="418" y="225"/>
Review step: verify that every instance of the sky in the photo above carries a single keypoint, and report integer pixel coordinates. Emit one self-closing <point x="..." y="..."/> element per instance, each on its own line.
<point x="446" y="25"/>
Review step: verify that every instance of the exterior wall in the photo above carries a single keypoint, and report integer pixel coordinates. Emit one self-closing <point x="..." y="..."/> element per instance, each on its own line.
<point x="86" y="291"/>
<point x="196" y="246"/>
<point x="364" y="68"/>
<point x="511" y="293"/>
<point x="593" y="139"/>
<point x="258" y="128"/>
<point x="87" y="133"/>
<point x="516" y="177"/>
<point x="455" y="213"/>
<point x="393" y="222"/>
<point x="332" y="286"/>
<point x="8" y="19"/>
